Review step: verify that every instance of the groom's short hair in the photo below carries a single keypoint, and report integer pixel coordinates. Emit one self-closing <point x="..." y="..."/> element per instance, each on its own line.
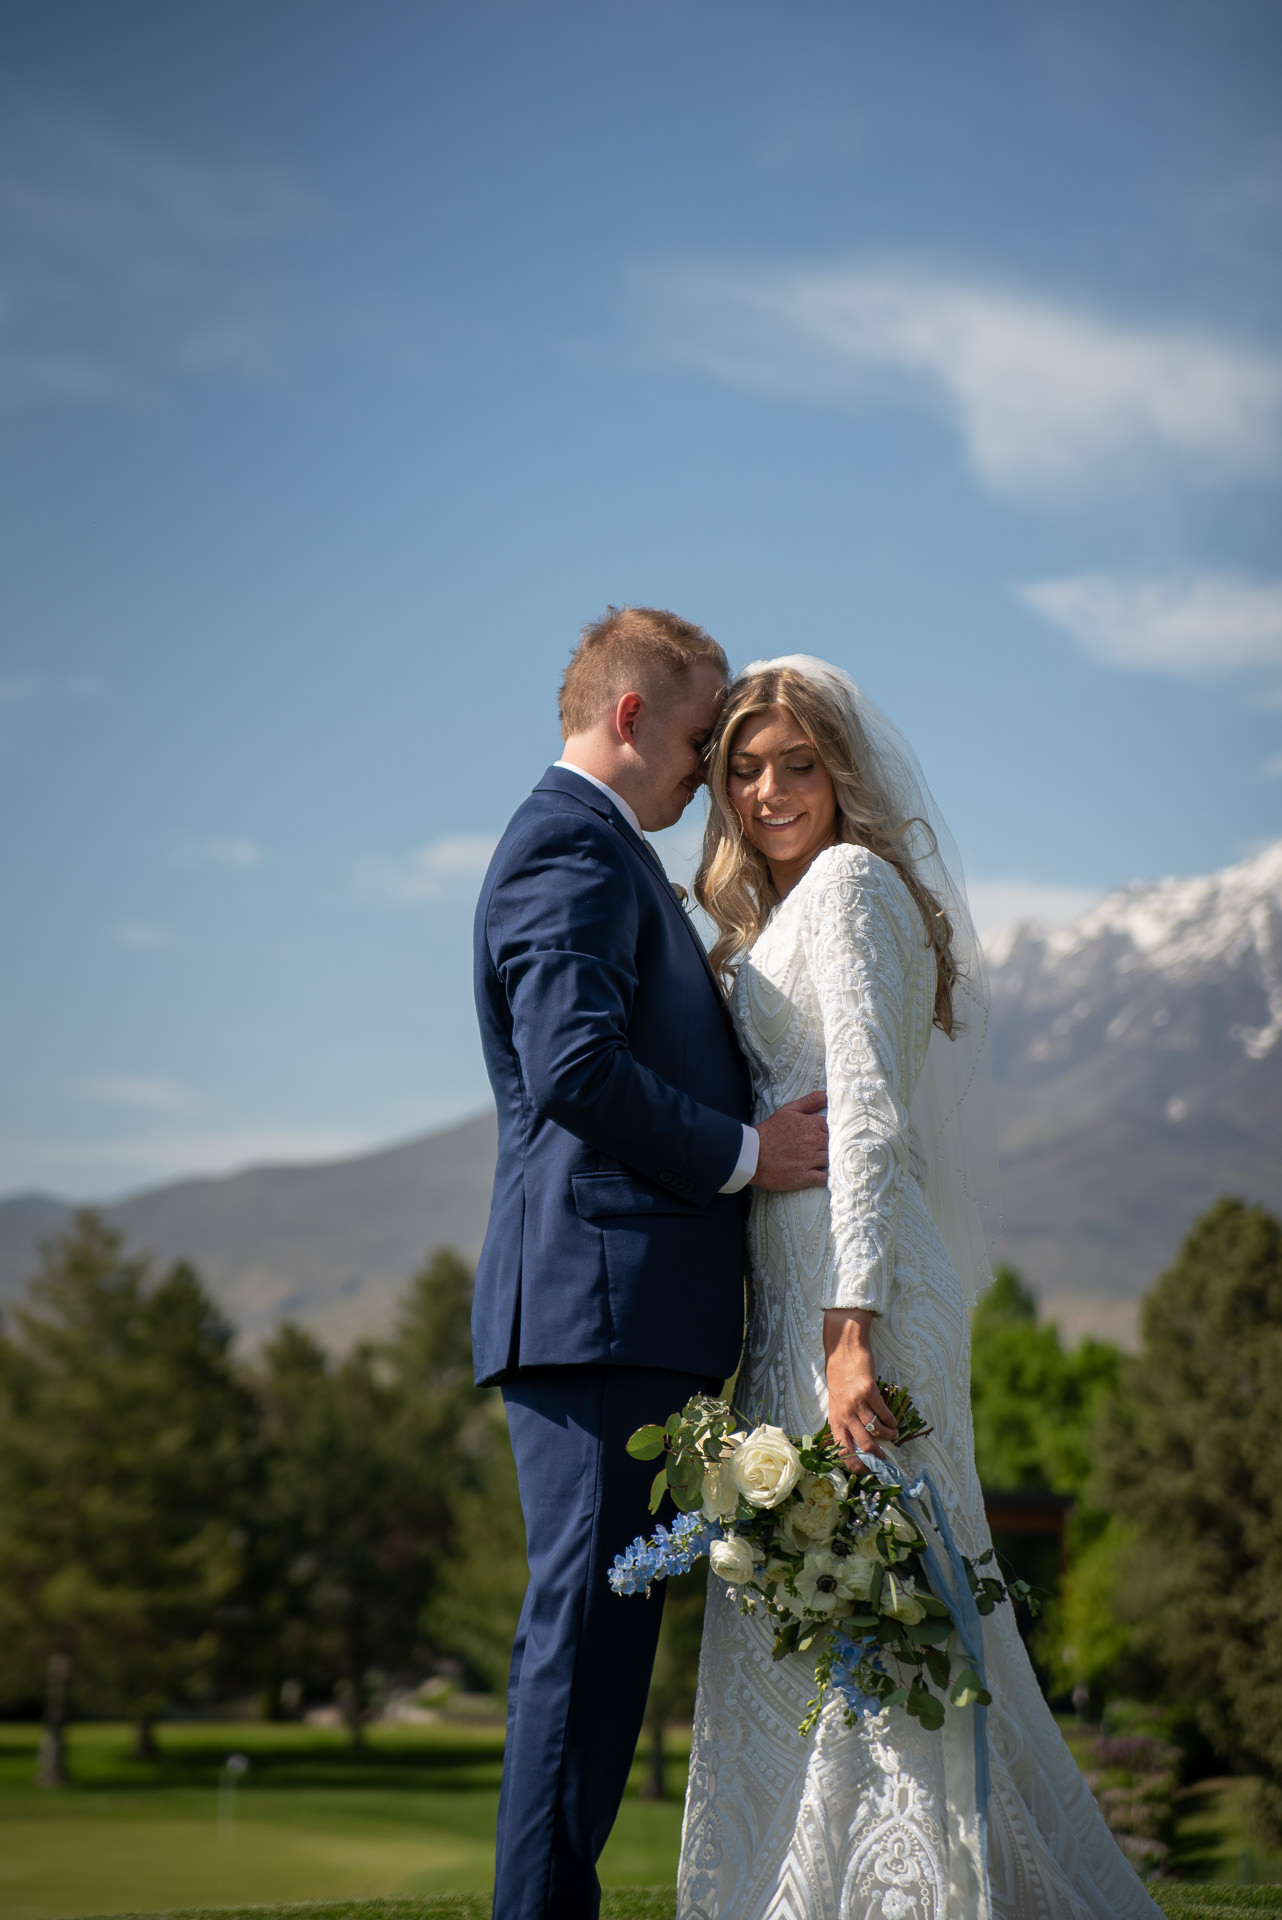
<point x="631" y="650"/>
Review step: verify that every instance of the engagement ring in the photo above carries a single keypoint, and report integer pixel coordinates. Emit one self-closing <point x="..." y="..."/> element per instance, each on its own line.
<point x="871" y="1426"/>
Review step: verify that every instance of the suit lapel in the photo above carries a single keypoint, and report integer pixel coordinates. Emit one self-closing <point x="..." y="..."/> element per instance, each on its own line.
<point x="561" y="781"/>
<point x="655" y="866"/>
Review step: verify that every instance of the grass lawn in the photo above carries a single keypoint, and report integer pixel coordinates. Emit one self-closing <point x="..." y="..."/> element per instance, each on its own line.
<point x="401" y="1832"/>
<point x="658" y="1903"/>
<point x="1214" y="1841"/>
<point x="413" y="1815"/>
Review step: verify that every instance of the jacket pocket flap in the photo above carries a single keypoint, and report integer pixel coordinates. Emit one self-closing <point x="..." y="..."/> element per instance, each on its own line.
<point x="600" y="1196"/>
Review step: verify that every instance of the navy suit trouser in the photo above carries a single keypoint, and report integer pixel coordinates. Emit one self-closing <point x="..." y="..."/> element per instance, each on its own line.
<point x="583" y="1654"/>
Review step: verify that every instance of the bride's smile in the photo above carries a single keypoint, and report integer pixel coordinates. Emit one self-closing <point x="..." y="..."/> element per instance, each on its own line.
<point x="783" y="794"/>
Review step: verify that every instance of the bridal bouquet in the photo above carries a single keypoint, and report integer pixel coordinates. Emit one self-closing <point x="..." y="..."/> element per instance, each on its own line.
<point x="859" y="1571"/>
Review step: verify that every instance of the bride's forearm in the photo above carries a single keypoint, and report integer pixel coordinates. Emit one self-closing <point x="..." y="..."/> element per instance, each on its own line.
<point x="857" y="1414"/>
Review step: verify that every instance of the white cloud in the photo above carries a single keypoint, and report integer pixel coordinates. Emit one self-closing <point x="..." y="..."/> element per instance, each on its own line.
<point x="127" y="264"/>
<point x="446" y="869"/>
<point x="1189" y="624"/>
<point x="225" y="852"/>
<point x="125" y="1090"/>
<point x="139" y="933"/>
<point x="998" y="904"/>
<point x="1047" y="397"/>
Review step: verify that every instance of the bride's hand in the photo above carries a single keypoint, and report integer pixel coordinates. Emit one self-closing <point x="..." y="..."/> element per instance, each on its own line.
<point x="857" y="1414"/>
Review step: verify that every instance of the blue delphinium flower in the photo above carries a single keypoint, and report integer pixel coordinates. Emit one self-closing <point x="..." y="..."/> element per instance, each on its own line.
<point x="847" y="1656"/>
<point x="672" y="1550"/>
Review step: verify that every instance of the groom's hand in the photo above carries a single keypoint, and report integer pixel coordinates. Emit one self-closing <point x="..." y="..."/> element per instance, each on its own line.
<point x="794" y="1146"/>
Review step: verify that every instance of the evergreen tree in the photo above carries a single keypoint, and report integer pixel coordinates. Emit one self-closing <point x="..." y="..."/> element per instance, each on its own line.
<point x="1191" y="1467"/>
<point x="123" y="1433"/>
<point x="363" y="1460"/>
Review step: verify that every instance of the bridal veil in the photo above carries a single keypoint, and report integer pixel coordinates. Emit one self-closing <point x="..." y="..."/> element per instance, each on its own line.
<point x="952" y="1107"/>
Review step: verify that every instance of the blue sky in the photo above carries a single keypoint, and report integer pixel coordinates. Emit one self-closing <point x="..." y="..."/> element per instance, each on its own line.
<point x="351" y="357"/>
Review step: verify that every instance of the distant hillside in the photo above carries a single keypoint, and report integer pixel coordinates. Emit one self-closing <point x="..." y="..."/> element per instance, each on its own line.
<point x="330" y="1245"/>
<point x="1137" y="1058"/>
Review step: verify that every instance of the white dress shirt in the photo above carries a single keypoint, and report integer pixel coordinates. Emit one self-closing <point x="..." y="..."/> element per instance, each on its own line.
<point x="750" y="1151"/>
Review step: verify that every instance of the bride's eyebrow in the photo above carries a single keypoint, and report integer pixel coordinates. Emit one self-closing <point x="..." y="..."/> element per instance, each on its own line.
<point x="746" y="753"/>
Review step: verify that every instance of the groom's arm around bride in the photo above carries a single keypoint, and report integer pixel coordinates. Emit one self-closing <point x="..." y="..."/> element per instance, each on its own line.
<point x="610" y="1286"/>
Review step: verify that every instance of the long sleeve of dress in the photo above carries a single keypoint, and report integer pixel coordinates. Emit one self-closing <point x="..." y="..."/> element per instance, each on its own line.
<point x="857" y="965"/>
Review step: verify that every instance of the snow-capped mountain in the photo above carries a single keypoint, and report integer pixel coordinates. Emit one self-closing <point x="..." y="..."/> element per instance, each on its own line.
<point x="1137" y="1060"/>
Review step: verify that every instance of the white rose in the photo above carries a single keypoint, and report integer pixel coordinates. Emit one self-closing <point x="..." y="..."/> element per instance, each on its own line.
<point x="814" y="1513"/>
<point x="766" y="1467"/>
<point x="899" y="1599"/>
<point x="732" y="1560"/>
<point x="720" y="1495"/>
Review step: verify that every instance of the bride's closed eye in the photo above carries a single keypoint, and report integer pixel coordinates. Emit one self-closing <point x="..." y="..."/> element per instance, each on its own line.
<point x="754" y="773"/>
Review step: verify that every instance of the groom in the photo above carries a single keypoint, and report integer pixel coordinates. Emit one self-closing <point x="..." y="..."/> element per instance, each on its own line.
<point x="610" y="1287"/>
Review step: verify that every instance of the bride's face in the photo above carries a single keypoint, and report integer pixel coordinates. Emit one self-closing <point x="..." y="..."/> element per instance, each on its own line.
<point x="782" y="792"/>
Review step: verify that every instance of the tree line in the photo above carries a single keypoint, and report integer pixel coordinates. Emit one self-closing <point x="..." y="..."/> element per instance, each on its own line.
<point x="179" y="1525"/>
<point x="1172" y="1592"/>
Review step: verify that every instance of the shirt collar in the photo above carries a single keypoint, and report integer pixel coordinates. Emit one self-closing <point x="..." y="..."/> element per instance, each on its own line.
<point x="569" y="767"/>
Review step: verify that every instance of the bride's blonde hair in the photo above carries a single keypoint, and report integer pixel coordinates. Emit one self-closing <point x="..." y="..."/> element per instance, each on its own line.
<point x="733" y="884"/>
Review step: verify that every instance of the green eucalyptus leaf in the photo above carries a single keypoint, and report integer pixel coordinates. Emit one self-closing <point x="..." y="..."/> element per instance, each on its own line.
<point x="930" y="1632"/>
<point x="934" y="1607"/>
<point x="938" y="1666"/>
<point x="646" y="1443"/>
<point x="968" y="1690"/>
<point x="786" y="1640"/>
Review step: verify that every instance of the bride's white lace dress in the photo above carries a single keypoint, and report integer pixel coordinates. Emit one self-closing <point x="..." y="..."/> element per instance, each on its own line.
<point x="856" y="1823"/>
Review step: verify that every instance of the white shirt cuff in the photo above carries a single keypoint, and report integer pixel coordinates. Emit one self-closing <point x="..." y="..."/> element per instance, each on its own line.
<point x="746" y="1164"/>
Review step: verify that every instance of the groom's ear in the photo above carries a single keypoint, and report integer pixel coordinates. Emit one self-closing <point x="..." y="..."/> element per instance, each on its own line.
<point x="628" y="710"/>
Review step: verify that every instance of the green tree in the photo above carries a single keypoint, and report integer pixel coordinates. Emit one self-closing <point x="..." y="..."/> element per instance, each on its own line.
<point x="676" y="1670"/>
<point x="476" y="1603"/>
<point x="362" y="1456"/>
<point x="123" y="1439"/>
<point x="1033" y="1402"/>
<point x="1191" y="1468"/>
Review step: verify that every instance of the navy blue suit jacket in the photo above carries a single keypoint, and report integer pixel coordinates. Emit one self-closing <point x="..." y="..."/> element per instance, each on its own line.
<point x="621" y="1094"/>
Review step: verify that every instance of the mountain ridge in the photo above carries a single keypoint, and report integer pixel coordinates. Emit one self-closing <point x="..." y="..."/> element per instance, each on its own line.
<point x="1137" y="1069"/>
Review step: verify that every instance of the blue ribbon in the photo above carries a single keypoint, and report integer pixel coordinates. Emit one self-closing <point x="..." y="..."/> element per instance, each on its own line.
<point x="947" y="1574"/>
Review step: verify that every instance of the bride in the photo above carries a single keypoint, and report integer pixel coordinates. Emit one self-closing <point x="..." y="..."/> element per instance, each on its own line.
<point x="843" y="925"/>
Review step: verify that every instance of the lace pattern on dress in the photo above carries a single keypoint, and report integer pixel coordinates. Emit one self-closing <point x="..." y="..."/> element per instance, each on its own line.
<point x="855" y="1823"/>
